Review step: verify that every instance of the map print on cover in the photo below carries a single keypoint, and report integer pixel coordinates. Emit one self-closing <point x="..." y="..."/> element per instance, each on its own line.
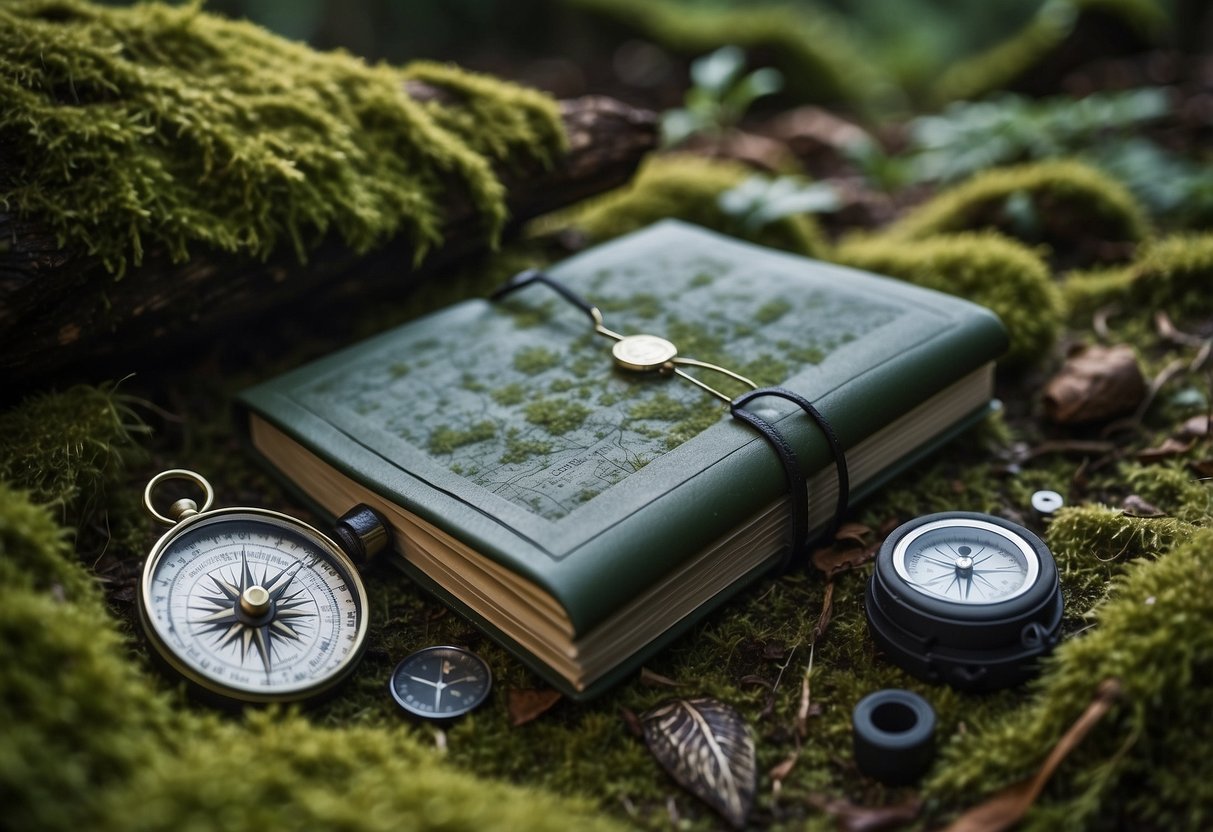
<point x="546" y="422"/>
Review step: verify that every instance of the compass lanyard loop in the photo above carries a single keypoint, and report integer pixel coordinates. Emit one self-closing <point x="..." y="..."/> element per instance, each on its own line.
<point x="798" y="488"/>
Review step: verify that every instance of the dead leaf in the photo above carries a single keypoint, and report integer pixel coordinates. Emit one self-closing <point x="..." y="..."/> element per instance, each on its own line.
<point x="1095" y="384"/>
<point x="1195" y="427"/>
<point x="1135" y="506"/>
<point x="833" y="561"/>
<point x="1170" y="447"/>
<point x="852" y="531"/>
<point x="1156" y="384"/>
<point x="707" y="747"/>
<point x="1007" y="808"/>
<point x="855" y="818"/>
<point x="654" y="679"/>
<point x="527" y="705"/>
<point x="1203" y="468"/>
<point x="818" y="125"/>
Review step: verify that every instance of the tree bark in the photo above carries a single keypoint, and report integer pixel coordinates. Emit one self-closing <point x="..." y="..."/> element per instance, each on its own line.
<point x="59" y="308"/>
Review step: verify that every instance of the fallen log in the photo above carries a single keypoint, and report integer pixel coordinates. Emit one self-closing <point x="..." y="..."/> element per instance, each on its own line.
<point x="59" y="308"/>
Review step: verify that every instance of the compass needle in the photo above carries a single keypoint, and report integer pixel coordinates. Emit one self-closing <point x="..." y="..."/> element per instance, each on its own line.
<point x="261" y="638"/>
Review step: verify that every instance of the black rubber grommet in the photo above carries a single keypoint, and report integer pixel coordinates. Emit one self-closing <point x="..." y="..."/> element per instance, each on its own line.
<point x="894" y="733"/>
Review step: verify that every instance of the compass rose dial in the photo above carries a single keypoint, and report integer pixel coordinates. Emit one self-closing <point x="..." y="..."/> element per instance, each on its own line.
<point x="969" y="563"/>
<point x="254" y="604"/>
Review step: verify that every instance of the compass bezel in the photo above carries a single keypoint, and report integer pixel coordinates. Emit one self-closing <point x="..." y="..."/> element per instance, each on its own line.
<point x="399" y="688"/>
<point x="217" y="688"/>
<point x="1021" y="544"/>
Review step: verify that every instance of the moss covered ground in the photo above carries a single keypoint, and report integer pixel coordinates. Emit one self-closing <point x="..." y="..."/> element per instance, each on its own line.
<point x="1135" y="610"/>
<point x="97" y="738"/>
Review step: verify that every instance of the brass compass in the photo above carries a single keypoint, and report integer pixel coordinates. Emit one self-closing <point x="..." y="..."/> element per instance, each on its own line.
<point x="252" y="605"/>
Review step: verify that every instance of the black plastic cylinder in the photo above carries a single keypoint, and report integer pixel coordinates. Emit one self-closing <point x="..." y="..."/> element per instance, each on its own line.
<point x="894" y="736"/>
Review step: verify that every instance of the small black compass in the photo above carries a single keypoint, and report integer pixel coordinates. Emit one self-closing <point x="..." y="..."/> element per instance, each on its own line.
<point x="963" y="598"/>
<point x="441" y="682"/>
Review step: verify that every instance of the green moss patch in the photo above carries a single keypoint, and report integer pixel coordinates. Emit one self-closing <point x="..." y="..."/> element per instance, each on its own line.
<point x="156" y="125"/>
<point x="689" y="188"/>
<point x="58" y="446"/>
<point x="1148" y="759"/>
<point x="993" y="271"/>
<point x="555" y="415"/>
<point x="446" y="439"/>
<point x="92" y="741"/>
<point x="535" y="360"/>
<point x="1173" y="274"/>
<point x="1070" y="206"/>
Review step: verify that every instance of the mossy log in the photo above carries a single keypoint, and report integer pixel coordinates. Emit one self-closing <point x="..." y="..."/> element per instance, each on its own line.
<point x="49" y="322"/>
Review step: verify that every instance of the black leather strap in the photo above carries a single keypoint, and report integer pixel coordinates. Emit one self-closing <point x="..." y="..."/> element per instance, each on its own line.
<point x="526" y="278"/>
<point x="798" y="487"/>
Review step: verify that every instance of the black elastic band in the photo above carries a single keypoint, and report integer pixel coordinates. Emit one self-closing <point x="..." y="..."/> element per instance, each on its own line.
<point x="798" y="486"/>
<point x="526" y="278"/>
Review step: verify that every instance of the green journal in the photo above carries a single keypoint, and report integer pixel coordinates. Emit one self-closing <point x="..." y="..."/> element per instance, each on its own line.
<point x="585" y="516"/>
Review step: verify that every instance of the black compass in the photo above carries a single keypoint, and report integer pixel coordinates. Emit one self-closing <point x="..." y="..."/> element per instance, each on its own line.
<point x="963" y="598"/>
<point x="441" y="682"/>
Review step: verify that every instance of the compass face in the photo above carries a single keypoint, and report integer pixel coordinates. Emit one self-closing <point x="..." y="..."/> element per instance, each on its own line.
<point x="254" y="605"/>
<point x="441" y="682"/>
<point x="966" y="562"/>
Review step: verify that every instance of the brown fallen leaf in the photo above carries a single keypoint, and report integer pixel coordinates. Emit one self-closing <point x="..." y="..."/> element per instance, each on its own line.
<point x="810" y="126"/>
<point x="1095" y="384"/>
<point x="1007" y="808"/>
<point x="707" y="747"/>
<point x="1203" y="468"/>
<point x="853" y="818"/>
<point x="852" y="531"/>
<point x="1171" y="447"/>
<point x="1135" y="506"/>
<point x="527" y="705"/>
<point x="832" y="560"/>
<point x="1195" y="427"/>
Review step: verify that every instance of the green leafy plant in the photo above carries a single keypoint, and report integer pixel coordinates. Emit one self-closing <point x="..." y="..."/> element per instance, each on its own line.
<point x="1102" y="130"/>
<point x="719" y="95"/>
<point x="969" y="137"/>
<point x="760" y="200"/>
